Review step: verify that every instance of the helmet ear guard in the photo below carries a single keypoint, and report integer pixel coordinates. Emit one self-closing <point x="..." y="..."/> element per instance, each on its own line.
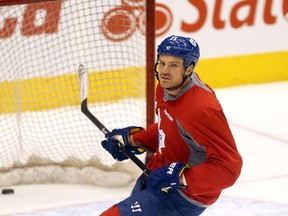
<point x="155" y="69"/>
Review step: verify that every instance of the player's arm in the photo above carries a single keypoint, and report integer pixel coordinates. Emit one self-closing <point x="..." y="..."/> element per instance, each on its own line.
<point x="146" y="139"/>
<point x="223" y="163"/>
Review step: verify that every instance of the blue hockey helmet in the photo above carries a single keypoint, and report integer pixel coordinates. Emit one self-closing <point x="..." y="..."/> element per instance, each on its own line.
<point x="183" y="47"/>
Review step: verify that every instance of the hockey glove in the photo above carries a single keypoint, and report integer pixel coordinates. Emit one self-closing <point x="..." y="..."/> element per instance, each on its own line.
<point x="166" y="178"/>
<point x="123" y="136"/>
<point x="111" y="143"/>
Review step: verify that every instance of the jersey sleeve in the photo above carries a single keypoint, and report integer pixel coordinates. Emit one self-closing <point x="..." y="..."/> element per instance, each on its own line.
<point x="223" y="164"/>
<point x="147" y="139"/>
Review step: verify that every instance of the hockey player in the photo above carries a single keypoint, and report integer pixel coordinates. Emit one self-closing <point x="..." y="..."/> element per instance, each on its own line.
<point x="195" y="153"/>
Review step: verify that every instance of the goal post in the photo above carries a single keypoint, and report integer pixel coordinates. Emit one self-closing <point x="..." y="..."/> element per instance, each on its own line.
<point x="43" y="135"/>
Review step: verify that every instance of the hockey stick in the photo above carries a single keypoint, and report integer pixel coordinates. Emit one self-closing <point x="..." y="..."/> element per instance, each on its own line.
<point x="83" y="76"/>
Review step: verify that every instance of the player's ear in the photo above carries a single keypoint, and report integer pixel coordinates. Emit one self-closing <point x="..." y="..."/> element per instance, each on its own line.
<point x="189" y="70"/>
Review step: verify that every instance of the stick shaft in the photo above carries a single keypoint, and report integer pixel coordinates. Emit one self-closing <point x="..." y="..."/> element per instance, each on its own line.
<point x="83" y="75"/>
<point x="101" y="127"/>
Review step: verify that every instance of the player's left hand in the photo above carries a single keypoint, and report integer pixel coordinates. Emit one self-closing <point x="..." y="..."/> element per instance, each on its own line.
<point x="166" y="178"/>
<point x="111" y="145"/>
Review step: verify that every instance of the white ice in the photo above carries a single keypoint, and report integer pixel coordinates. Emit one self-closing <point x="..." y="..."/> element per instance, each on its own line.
<point x="258" y="116"/>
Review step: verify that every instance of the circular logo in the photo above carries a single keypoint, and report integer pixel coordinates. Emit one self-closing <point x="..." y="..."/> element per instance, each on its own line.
<point x="164" y="18"/>
<point x="121" y="22"/>
<point x="118" y="24"/>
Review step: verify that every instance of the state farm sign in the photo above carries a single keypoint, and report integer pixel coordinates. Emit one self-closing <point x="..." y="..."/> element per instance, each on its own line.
<point x="235" y="19"/>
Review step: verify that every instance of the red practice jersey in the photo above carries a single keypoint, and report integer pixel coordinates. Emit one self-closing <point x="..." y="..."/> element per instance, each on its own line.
<point x="193" y="129"/>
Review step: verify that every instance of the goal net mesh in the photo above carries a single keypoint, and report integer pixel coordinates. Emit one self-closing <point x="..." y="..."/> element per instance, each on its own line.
<point x="44" y="136"/>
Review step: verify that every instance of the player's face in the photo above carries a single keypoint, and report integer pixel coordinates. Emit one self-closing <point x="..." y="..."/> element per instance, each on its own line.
<point x="170" y="71"/>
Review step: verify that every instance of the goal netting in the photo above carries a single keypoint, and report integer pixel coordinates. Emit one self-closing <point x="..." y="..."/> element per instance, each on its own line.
<point x="44" y="137"/>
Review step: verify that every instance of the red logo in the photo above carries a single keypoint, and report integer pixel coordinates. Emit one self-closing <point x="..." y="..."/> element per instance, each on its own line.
<point x="121" y="22"/>
<point x="28" y="27"/>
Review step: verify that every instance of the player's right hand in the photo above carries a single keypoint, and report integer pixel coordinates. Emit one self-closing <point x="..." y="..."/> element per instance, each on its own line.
<point x="166" y="178"/>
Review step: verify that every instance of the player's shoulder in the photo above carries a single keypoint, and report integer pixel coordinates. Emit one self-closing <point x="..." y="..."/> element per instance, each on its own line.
<point x="200" y="85"/>
<point x="202" y="96"/>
